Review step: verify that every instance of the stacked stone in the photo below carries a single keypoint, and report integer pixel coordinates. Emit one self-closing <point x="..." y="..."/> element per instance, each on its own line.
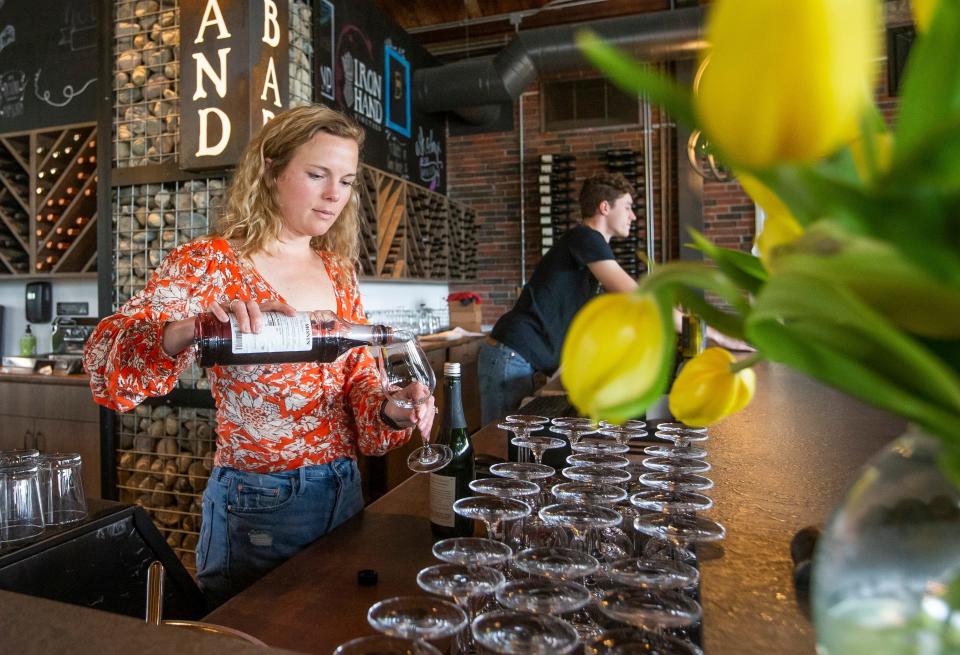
<point x="164" y="458"/>
<point x="146" y="81"/>
<point x="301" y="54"/>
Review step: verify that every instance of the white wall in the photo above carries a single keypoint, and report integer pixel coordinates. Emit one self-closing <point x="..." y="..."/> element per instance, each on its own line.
<point x="403" y="295"/>
<point x="12" y="298"/>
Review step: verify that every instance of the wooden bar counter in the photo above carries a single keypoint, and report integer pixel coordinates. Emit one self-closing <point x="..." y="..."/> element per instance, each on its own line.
<point x="778" y="466"/>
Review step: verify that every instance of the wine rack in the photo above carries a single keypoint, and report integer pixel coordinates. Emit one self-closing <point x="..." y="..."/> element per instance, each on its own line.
<point x="48" y="201"/>
<point x="626" y="249"/>
<point x="409" y="232"/>
<point x="558" y="207"/>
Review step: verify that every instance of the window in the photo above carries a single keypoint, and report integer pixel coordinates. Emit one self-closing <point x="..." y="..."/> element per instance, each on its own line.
<point x="575" y="104"/>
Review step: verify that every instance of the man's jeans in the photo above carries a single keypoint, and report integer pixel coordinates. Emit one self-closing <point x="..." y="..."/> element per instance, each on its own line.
<point x="506" y="378"/>
<point x="254" y="521"/>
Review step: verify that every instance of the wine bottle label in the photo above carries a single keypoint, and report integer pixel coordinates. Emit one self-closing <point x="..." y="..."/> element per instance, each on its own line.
<point x="443" y="493"/>
<point x="279" y="334"/>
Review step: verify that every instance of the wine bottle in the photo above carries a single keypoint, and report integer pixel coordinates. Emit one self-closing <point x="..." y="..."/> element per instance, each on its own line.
<point x="450" y="483"/>
<point x="306" y="337"/>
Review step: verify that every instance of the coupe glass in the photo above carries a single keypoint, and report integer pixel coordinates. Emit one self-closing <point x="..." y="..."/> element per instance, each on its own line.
<point x="516" y="633"/>
<point x="672" y="450"/>
<point x="623" y="434"/>
<point x="676" y="464"/>
<point x="597" y="474"/>
<point x="416" y="617"/>
<point x="628" y="641"/>
<point x="676" y="481"/>
<point x="599" y="447"/>
<point x="590" y="459"/>
<point x="537" y="445"/>
<point x="541" y="596"/>
<point x="587" y="493"/>
<point x="491" y="510"/>
<point x="529" y="419"/>
<point x="574" y="431"/>
<point x="461" y="583"/>
<point x="472" y="551"/>
<point x="504" y="487"/>
<point x="649" y="609"/>
<point x="556" y="563"/>
<point x="580" y="520"/>
<point x="522" y="470"/>
<point x="652" y="573"/>
<point x="661" y="500"/>
<point x="384" y="645"/>
<point x="408" y="380"/>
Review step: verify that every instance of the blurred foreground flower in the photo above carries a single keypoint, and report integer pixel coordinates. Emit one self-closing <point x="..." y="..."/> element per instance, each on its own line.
<point x="618" y="344"/>
<point x="787" y="81"/>
<point x="708" y="389"/>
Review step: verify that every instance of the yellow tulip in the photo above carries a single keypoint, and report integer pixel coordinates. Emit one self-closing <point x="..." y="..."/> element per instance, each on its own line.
<point x="616" y="352"/>
<point x="923" y="13"/>
<point x="779" y="228"/>
<point x="787" y="81"/>
<point x="707" y="390"/>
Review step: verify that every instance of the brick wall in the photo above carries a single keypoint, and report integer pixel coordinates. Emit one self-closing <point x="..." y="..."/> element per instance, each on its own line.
<point x="484" y="172"/>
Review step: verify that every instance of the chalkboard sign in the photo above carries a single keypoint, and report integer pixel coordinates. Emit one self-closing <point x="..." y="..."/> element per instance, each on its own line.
<point x="48" y="63"/>
<point x="366" y="67"/>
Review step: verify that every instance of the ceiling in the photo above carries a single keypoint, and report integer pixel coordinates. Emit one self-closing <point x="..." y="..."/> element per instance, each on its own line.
<point x="454" y="29"/>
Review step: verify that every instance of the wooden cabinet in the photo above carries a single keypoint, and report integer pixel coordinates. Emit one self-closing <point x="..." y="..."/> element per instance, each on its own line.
<point x="52" y="418"/>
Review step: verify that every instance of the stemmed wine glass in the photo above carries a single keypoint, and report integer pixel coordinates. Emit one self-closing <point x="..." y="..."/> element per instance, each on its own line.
<point x="462" y="584"/>
<point x="416" y="617"/>
<point x="384" y="645"/>
<point x="520" y="633"/>
<point x="408" y="380"/>
<point x="491" y="510"/>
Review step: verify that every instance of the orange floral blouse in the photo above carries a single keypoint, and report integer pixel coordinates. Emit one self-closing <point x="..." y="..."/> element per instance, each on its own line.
<point x="270" y="418"/>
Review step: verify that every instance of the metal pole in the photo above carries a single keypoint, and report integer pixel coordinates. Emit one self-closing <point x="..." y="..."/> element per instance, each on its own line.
<point x="523" y="202"/>
<point x="648" y="212"/>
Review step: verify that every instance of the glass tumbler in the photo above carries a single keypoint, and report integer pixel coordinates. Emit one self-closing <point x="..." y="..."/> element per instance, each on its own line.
<point x="21" y="515"/>
<point x="61" y="487"/>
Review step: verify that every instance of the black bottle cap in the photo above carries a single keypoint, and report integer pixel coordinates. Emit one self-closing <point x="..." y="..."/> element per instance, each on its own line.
<point x="367" y="577"/>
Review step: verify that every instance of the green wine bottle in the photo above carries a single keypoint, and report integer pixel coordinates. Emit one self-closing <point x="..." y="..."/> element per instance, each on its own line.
<point x="451" y="483"/>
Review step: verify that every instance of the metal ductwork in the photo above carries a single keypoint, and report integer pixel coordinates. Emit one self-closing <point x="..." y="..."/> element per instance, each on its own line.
<point x="474" y="89"/>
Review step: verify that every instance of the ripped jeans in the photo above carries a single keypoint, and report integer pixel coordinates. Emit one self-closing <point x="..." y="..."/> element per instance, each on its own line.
<point x="254" y="521"/>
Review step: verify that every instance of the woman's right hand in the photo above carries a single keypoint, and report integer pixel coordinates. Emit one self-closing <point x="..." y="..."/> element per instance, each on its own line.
<point x="178" y="335"/>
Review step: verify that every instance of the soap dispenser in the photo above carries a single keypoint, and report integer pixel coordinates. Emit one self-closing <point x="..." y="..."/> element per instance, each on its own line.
<point x="28" y="343"/>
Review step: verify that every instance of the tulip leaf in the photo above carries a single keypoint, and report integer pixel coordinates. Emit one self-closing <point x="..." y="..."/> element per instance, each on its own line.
<point x="931" y="86"/>
<point x="783" y="343"/>
<point x="730" y="324"/>
<point x="742" y="268"/>
<point x="637" y="78"/>
<point x="832" y="317"/>
<point x="933" y="163"/>
<point x="695" y="275"/>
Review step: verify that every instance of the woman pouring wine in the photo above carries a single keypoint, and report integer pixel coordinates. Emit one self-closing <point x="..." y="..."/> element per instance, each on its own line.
<point x="287" y="434"/>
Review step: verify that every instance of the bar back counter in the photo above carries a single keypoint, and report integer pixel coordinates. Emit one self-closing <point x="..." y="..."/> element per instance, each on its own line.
<point x="778" y="466"/>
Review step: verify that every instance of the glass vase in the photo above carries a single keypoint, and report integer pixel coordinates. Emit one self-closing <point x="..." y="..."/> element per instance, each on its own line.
<point x="886" y="575"/>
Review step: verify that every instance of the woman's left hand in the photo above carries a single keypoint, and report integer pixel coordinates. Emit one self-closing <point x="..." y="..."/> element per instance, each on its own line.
<point x="420" y="416"/>
<point x="722" y="340"/>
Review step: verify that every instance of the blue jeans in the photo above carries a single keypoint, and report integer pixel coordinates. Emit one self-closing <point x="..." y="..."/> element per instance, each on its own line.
<point x="254" y="521"/>
<point x="506" y="378"/>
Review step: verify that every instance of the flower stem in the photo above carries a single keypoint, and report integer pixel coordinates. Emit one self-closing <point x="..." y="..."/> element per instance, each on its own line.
<point x="746" y="362"/>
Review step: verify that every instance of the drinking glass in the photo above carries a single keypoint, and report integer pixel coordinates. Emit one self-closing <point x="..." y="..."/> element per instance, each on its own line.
<point x="599" y="447"/>
<point x="580" y="520"/>
<point x="676" y="464"/>
<point x="574" y="431"/>
<point x="556" y="563"/>
<point x="629" y="641"/>
<point x="648" y="608"/>
<point x="472" y="551"/>
<point x="543" y="596"/>
<point x="416" y="617"/>
<point x="591" y="459"/>
<point x="516" y="633"/>
<point x="674" y="451"/>
<point x="21" y="513"/>
<point x="384" y="645"/>
<point x="676" y="481"/>
<point x="587" y="493"/>
<point x="522" y="470"/>
<point x="622" y="434"/>
<point x="598" y="474"/>
<point x="462" y="584"/>
<point x="491" y="510"/>
<point x="61" y="488"/>
<point x="18" y="456"/>
<point x="408" y="380"/>
<point x="537" y="445"/>
<point x="504" y="487"/>
<point x="662" y="500"/>
<point x="652" y="573"/>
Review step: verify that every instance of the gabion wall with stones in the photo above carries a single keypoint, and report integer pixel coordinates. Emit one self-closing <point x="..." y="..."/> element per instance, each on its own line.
<point x="147" y="77"/>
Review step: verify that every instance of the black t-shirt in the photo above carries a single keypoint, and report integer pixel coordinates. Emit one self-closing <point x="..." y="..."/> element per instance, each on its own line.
<point x="558" y="288"/>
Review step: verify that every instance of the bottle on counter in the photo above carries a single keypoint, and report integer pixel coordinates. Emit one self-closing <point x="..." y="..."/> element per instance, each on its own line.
<point x="28" y="343"/>
<point x="690" y="343"/>
<point x="451" y="483"/>
<point x="306" y="337"/>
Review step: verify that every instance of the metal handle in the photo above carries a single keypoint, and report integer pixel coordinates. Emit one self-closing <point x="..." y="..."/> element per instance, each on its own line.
<point x="29" y="440"/>
<point x="41" y="442"/>
<point x="155" y="593"/>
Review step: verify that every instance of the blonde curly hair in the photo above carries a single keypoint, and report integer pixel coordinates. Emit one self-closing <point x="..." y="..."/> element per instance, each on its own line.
<point x="252" y="218"/>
